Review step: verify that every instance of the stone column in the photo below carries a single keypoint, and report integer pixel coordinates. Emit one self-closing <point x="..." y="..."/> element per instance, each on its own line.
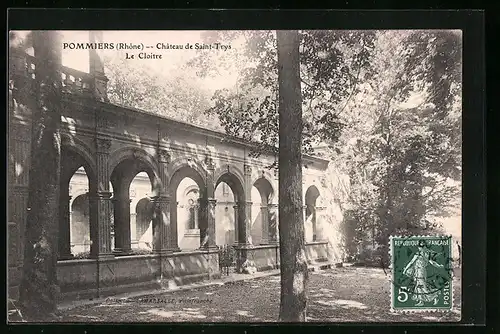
<point x="100" y="227"/>
<point x="133" y="227"/>
<point x="320" y="222"/>
<point x="64" y="224"/>
<point x="164" y="204"/>
<point x="313" y="223"/>
<point x="162" y="241"/>
<point x="100" y="204"/>
<point x="236" y="224"/>
<point x="245" y="231"/>
<point x="207" y="230"/>
<point x="121" y="202"/>
<point x="264" y="213"/>
<point x="196" y="216"/>
<point x="207" y="209"/>
<point x="273" y="223"/>
<point x="245" y="228"/>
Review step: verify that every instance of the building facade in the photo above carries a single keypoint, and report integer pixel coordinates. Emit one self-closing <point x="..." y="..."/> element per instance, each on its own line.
<point x="145" y="200"/>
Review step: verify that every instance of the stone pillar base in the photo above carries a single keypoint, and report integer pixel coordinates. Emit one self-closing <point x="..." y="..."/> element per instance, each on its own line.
<point x="166" y="251"/>
<point x="103" y="256"/>
<point x="63" y="257"/>
<point x="209" y="248"/>
<point x="121" y="251"/>
<point x="244" y="264"/>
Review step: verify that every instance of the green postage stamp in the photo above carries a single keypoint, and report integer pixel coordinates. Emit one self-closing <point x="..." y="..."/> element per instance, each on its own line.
<point x="421" y="273"/>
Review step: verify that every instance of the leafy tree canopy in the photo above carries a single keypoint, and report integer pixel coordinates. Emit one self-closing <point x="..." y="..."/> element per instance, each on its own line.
<point x="179" y="95"/>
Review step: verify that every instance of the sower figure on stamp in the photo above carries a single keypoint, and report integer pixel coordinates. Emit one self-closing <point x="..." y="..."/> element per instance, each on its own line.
<point x="417" y="270"/>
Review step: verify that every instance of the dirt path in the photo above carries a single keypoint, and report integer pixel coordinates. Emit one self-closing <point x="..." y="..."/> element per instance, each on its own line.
<point x="336" y="295"/>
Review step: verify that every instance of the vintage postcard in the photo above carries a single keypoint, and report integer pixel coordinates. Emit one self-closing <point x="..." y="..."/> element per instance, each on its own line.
<point x="235" y="176"/>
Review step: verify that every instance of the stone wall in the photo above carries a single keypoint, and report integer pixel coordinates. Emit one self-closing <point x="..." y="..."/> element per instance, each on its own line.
<point x="84" y="279"/>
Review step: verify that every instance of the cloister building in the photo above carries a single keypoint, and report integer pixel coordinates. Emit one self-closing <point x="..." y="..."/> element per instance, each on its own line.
<point x="145" y="200"/>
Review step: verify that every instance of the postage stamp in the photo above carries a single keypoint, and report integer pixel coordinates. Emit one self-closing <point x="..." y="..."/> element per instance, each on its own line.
<point x="422" y="278"/>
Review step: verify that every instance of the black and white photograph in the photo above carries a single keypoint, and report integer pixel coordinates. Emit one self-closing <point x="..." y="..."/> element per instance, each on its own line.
<point x="234" y="176"/>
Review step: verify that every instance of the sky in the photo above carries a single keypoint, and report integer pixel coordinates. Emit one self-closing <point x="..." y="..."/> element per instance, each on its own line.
<point x="171" y="60"/>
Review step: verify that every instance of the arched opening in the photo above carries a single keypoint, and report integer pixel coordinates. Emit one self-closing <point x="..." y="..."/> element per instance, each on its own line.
<point x="187" y="187"/>
<point x="187" y="214"/>
<point x="225" y="214"/>
<point x="142" y="234"/>
<point x="262" y="194"/>
<point x="133" y="178"/>
<point x="76" y="221"/>
<point x="80" y="224"/>
<point x="311" y="196"/>
<point x="229" y="211"/>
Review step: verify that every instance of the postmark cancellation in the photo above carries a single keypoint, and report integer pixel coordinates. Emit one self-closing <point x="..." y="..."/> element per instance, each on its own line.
<point x="422" y="276"/>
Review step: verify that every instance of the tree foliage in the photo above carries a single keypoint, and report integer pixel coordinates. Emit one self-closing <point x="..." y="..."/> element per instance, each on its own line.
<point x="402" y="149"/>
<point x="331" y="65"/>
<point x="179" y="96"/>
<point x="387" y="104"/>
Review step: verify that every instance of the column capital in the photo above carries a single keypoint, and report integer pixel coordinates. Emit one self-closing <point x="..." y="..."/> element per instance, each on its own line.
<point x="161" y="199"/>
<point x="164" y="156"/>
<point x="247" y="169"/>
<point x="272" y="206"/>
<point x="209" y="162"/>
<point x="103" y="145"/>
<point x="101" y="195"/>
<point x="243" y="203"/>
<point x="207" y="200"/>
<point x="117" y="198"/>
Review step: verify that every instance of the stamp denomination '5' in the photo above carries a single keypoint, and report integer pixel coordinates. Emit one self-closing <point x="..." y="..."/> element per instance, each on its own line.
<point x="422" y="273"/>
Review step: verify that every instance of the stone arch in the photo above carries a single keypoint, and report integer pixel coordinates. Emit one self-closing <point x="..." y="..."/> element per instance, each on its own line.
<point x="79" y="148"/>
<point x="137" y="154"/>
<point x="311" y="195"/>
<point x="190" y="189"/>
<point x="233" y="177"/>
<point x="261" y="218"/>
<point x="75" y="195"/>
<point x="74" y="154"/>
<point x="186" y="167"/>
<point x="231" y="169"/>
<point x="181" y="168"/>
<point x="264" y="184"/>
<point x="124" y="165"/>
<point x="229" y="224"/>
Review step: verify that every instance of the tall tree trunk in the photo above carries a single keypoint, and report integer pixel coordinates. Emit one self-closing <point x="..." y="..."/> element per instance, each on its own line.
<point x="292" y="253"/>
<point x="39" y="288"/>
